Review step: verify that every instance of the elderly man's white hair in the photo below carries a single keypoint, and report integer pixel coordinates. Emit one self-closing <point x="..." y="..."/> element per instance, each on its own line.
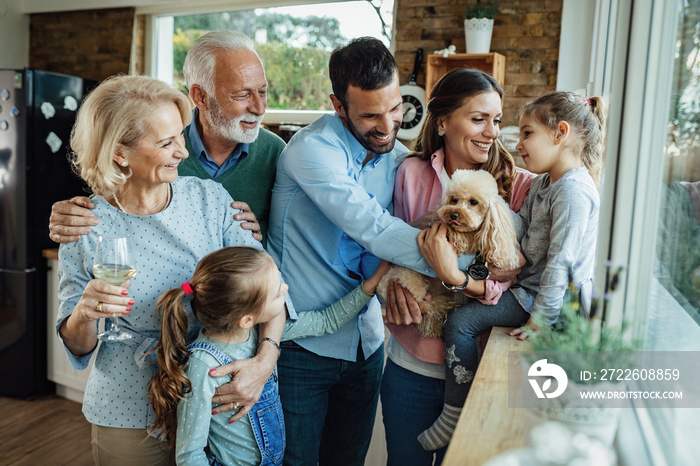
<point x="200" y="63"/>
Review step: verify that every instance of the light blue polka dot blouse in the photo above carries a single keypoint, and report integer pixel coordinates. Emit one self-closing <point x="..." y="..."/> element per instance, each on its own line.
<point x="168" y="244"/>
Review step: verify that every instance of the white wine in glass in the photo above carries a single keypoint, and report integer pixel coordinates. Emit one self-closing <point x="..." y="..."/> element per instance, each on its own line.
<point x="114" y="264"/>
<point x="114" y="274"/>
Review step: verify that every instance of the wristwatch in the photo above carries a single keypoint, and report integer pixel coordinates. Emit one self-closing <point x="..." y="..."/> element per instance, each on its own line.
<point x="458" y="288"/>
<point x="478" y="269"/>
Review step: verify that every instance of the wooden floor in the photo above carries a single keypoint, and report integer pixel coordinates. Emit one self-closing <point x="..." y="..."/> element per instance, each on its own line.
<point x="47" y="431"/>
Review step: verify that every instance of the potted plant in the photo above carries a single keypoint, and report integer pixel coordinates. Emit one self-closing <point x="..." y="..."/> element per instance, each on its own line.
<point x="478" y="26"/>
<point x="586" y="351"/>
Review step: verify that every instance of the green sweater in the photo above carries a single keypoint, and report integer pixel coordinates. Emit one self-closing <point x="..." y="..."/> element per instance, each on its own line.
<point x="251" y="179"/>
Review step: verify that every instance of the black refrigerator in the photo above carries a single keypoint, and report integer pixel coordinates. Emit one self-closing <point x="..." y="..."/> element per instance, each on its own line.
<point x="37" y="112"/>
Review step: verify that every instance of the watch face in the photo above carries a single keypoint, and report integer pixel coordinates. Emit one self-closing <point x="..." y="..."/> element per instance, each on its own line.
<point x="412" y="111"/>
<point x="478" y="271"/>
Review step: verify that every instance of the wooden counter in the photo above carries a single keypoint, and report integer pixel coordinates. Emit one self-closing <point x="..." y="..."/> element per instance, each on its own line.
<point x="50" y="253"/>
<point x="487" y="426"/>
<point x="70" y="383"/>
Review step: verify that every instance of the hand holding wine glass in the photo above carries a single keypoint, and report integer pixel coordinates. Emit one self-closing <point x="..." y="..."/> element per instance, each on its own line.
<point x="114" y="264"/>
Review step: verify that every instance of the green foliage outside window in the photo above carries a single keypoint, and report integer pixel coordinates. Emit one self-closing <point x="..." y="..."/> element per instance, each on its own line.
<point x="297" y="77"/>
<point x="295" y="52"/>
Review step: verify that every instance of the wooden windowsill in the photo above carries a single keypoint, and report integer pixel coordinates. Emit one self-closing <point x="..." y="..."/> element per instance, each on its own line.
<point x="487" y="426"/>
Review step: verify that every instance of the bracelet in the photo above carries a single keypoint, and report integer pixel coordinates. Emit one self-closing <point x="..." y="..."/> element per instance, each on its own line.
<point x="458" y="288"/>
<point x="367" y="293"/>
<point x="274" y="343"/>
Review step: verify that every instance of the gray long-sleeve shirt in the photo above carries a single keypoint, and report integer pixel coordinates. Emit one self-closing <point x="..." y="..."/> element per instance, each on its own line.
<point x="557" y="228"/>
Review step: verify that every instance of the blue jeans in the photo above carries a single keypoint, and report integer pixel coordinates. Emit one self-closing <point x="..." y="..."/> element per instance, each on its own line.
<point x="329" y="406"/>
<point x="461" y="327"/>
<point x="410" y="404"/>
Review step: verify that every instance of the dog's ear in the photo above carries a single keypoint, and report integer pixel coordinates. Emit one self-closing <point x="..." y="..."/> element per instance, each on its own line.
<point x="497" y="240"/>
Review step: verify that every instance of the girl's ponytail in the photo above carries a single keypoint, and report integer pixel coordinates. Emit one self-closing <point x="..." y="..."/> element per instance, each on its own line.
<point x="594" y="141"/>
<point x="170" y="383"/>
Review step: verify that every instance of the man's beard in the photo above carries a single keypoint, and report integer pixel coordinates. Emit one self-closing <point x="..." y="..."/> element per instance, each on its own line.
<point x="230" y="128"/>
<point x="368" y="144"/>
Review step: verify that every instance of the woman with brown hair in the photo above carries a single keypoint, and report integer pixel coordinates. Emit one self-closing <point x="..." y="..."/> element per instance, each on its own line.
<point x="460" y="132"/>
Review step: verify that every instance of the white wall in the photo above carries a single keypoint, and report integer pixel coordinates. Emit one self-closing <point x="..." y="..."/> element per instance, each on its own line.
<point x="14" y="35"/>
<point x="575" y="44"/>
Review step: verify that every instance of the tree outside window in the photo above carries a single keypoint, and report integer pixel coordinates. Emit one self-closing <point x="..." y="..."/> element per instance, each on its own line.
<point x="295" y="49"/>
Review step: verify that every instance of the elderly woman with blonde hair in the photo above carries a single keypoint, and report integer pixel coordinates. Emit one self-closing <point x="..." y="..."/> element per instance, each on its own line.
<point x="127" y="143"/>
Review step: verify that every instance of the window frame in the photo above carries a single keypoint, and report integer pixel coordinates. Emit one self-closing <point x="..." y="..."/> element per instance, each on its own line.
<point x="632" y="188"/>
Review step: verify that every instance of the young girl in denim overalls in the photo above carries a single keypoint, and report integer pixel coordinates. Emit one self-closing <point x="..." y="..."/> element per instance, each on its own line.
<point x="231" y="291"/>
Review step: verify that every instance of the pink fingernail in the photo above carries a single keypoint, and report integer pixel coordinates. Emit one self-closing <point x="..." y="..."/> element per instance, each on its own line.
<point x="124" y="314"/>
<point x="131" y="301"/>
<point x="125" y="292"/>
<point x="213" y="413"/>
<point x="212" y="372"/>
<point x="128" y="309"/>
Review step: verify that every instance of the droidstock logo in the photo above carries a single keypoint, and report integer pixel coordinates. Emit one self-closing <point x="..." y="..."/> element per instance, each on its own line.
<point x="543" y="369"/>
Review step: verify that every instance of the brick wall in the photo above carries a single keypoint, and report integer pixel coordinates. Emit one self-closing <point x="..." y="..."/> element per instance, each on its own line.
<point x="526" y="32"/>
<point x="92" y="44"/>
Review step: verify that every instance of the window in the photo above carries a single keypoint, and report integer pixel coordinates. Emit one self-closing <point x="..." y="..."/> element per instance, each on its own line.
<point x="674" y="297"/>
<point x="293" y="42"/>
<point x="651" y="218"/>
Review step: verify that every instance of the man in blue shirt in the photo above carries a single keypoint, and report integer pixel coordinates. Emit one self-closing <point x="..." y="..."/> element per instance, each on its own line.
<point x="331" y="214"/>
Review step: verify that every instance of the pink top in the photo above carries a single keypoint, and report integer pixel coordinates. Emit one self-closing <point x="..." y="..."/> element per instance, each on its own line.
<point x="418" y="190"/>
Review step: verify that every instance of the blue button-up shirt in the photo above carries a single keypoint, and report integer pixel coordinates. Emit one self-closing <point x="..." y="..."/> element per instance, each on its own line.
<point x="213" y="168"/>
<point x="329" y="217"/>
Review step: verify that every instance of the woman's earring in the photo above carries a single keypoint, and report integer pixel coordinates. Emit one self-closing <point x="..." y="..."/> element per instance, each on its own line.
<point x="441" y="133"/>
<point x="124" y="164"/>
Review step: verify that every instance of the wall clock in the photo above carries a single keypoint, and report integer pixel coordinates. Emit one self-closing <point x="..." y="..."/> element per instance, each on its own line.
<point x="414" y="110"/>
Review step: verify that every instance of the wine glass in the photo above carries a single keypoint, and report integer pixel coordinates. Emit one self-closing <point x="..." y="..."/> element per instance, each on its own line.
<point x="114" y="264"/>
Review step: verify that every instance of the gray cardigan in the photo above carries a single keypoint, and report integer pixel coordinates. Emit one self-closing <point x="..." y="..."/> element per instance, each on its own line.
<point x="557" y="228"/>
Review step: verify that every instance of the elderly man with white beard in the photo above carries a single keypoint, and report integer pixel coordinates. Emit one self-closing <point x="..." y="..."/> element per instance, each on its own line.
<point x="226" y="80"/>
<point x="227" y="83"/>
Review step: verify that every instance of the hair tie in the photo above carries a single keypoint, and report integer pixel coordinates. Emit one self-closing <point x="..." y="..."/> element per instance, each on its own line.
<point x="188" y="288"/>
<point x="588" y="101"/>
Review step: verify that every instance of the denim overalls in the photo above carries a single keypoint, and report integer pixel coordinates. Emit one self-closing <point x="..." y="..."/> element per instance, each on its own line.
<point x="265" y="416"/>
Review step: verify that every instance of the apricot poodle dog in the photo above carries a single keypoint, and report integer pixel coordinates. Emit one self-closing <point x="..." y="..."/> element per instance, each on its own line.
<point x="479" y="221"/>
